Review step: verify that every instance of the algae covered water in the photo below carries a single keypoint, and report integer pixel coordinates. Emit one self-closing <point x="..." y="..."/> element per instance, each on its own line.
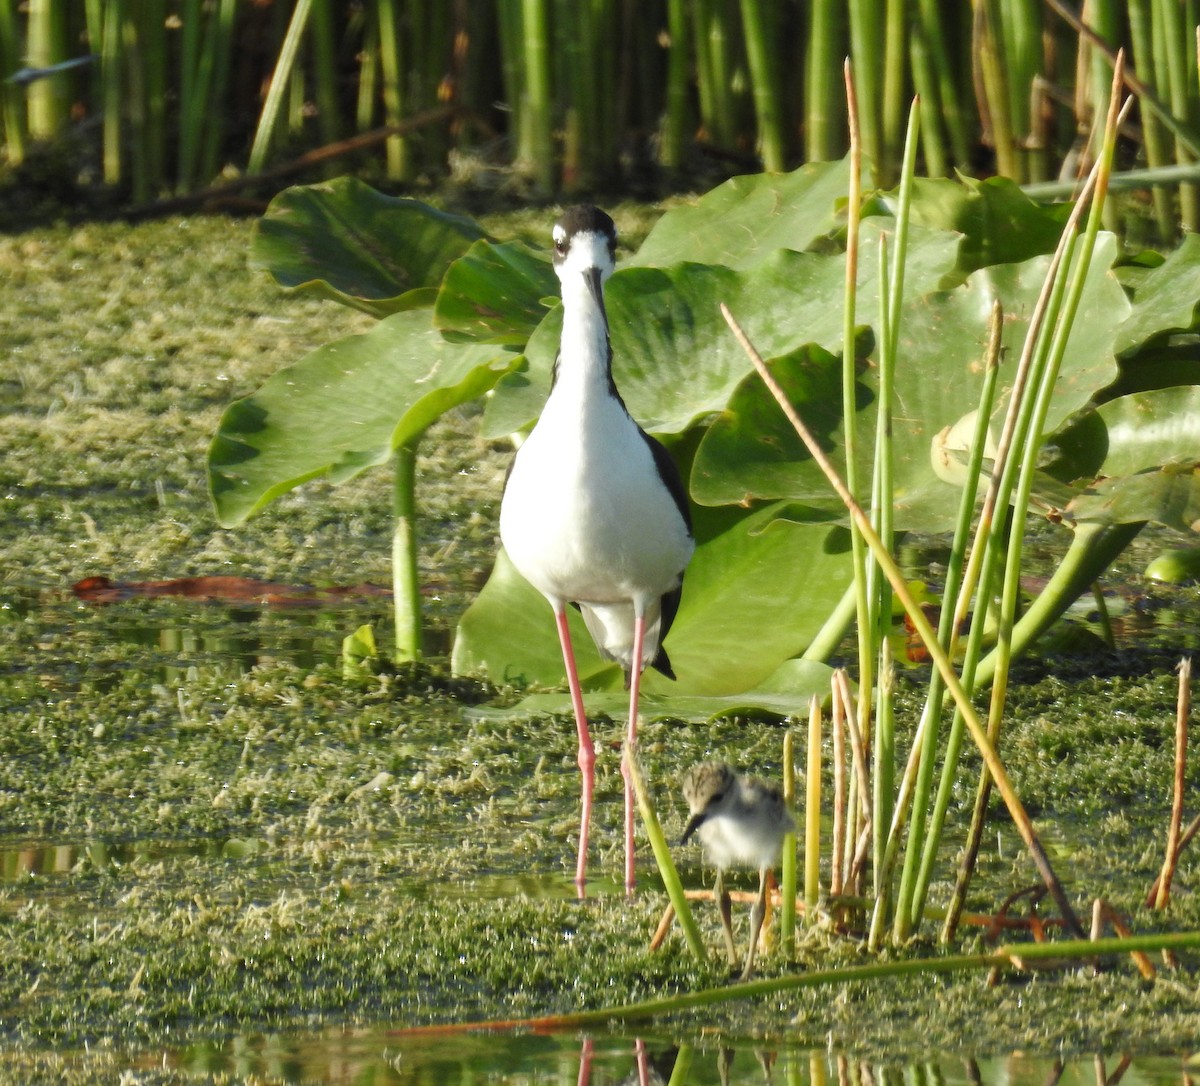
<point x="222" y="860"/>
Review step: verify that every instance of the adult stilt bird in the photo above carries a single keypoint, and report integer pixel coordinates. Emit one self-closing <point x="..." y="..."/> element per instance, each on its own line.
<point x="594" y="512"/>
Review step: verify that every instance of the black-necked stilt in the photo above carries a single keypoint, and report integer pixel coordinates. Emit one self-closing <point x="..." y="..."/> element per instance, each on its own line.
<point x="740" y="820"/>
<point x="594" y="512"/>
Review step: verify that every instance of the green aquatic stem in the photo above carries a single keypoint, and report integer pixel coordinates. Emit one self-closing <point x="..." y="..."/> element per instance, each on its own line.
<point x="1016" y="956"/>
<point x="980" y="569"/>
<point x="833" y="631"/>
<point x="891" y="298"/>
<point x="906" y="916"/>
<point x="762" y="42"/>
<point x="820" y="80"/>
<point x="662" y="856"/>
<point x="812" y="815"/>
<point x="392" y="71"/>
<point x="269" y="117"/>
<point x="787" y="865"/>
<point x="675" y="117"/>
<point x="536" y="129"/>
<point x="921" y="624"/>
<point x="406" y="585"/>
<point x="858" y="550"/>
<point x="12" y="96"/>
<point x="1057" y="331"/>
<point x="1093" y="549"/>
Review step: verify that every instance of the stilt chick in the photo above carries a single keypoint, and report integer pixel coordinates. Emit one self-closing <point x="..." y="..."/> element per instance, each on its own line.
<point x="740" y="820"/>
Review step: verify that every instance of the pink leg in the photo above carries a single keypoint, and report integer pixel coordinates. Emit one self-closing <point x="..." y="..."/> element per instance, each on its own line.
<point x="643" y="1061"/>
<point x="585" y="1063"/>
<point x="635" y="683"/>
<point x="587" y="752"/>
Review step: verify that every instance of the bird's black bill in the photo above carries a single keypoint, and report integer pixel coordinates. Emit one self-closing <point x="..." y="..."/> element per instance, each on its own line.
<point x="592" y="275"/>
<point x="694" y="823"/>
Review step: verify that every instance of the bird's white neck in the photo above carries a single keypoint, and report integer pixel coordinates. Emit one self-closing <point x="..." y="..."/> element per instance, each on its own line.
<point x="584" y="359"/>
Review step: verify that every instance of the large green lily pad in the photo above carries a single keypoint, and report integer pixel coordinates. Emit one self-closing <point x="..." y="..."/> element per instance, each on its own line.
<point x="346" y="407"/>
<point x="345" y="241"/>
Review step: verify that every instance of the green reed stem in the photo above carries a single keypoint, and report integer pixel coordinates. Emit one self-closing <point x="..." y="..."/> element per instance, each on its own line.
<point x="219" y="45"/>
<point x="537" y="126"/>
<point x="682" y="1067"/>
<point x="949" y="79"/>
<point x="980" y="568"/>
<point x="1154" y="136"/>
<point x="717" y="103"/>
<point x="279" y="84"/>
<point x="107" y="32"/>
<point x="150" y="137"/>
<point x="787" y="865"/>
<point x="921" y="624"/>
<point x="1017" y="956"/>
<point x="406" y="585"/>
<point x="822" y="118"/>
<point x="907" y="915"/>
<point x="191" y="92"/>
<point x="675" y="121"/>
<point x="759" y="18"/>
<point x="866" y="52"/>
<point x="368" y="77"/>
<point x="858" y="550"/>
<point x="393" y="71"/>
<point x="12" y="97"/>
<point x="46" y="34"/>
<point x="993" y="74"/>
<point x="895" y="52"/>
<point x="882" y="502"/>
<point x="833" y="630"/>
<point x="1093" y="549"/>
<point x="1176" y="39"/>
<point x="1059" y="328"/>
<point x="662" y="855"/>
<point x="891" y="295"/>
<point x="324" y="71"/>
<point x="812" y="813"/>
<point x="1021" y="29"/>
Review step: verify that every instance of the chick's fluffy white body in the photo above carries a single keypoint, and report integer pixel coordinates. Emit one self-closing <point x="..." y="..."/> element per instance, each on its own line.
<point x="742" y="821"/>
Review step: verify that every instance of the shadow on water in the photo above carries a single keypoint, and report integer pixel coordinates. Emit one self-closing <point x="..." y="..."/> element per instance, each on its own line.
<point x="381" y="1056"/>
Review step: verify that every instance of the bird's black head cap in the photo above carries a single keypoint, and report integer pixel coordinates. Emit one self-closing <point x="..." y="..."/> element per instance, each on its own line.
<point x="581" y="220"/>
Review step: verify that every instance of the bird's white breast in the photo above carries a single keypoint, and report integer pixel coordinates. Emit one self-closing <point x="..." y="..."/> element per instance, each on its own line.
<point x="586" y="516"/>
<point x="749" y="830"/>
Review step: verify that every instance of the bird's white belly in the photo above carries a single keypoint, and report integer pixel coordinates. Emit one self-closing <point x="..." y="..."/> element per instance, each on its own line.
<point x="752" y="842"/>
<point x="592" y="522"/>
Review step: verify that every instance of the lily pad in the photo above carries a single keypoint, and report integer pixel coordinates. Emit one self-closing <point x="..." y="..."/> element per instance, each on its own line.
<point x="743" y="221"/>
<point x="674" y="359"/>
<point x="740" y="618"/>
<point x="346" y="407"/>
<point x="942" y="341"/>
<point x="786" y="693"/>
<point x="345" y="241"/>
<point x="494" y="293"/>
<point x="1166" y="299"/>
<point x="999" y="223"/>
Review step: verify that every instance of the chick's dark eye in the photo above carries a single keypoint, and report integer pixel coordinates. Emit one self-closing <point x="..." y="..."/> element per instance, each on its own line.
<point x="717" y="797"/>
<point x="560" y="246"/>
